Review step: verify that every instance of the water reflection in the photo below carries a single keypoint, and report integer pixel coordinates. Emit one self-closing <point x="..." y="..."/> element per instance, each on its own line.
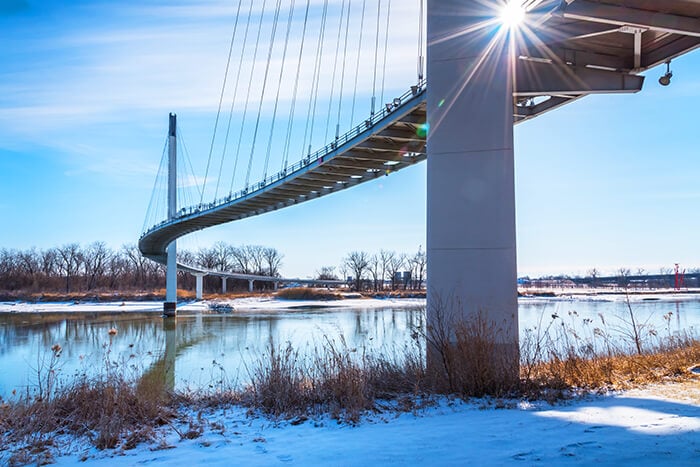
<point x="210" y="350"/>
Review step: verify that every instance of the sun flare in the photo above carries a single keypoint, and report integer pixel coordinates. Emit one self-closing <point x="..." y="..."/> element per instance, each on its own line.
<point x="512" y="13"/>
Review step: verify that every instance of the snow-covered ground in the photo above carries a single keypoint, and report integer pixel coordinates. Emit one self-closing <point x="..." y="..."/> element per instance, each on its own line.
<point x="659" y="425"/>
<point x="269" y="303"/>
<point x="256" y="303"/>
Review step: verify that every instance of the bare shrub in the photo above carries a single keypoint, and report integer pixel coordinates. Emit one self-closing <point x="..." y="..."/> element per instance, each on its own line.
<point x="108" y="409"/>
<point x="472" y="356"/>
<point x="308" y="293"/>
<point x="590" y="355"/>
<point x="335" y="379"/>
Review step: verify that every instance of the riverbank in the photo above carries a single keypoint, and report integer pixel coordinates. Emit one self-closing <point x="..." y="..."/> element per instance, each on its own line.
<point x="656" y="425"/>
<point x="270" y="303"/>
<point x="342" y="294"/>
<point x="242" y="305"/>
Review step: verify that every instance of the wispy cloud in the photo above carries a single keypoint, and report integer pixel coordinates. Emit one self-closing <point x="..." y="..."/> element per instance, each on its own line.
<point x="136" y="63"/>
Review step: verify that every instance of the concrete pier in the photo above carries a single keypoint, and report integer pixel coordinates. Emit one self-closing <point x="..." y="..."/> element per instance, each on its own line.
<point x="471" y="250"/>
<point x="199" y="286"/>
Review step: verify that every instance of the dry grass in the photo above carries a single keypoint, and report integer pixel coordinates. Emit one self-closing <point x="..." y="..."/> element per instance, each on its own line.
<point x="308" y="293"/>
<point x="667" y="361"/>
<point x="335" y="379"/>
<point x="467" y="358"/>
<point x="109" y="409"/>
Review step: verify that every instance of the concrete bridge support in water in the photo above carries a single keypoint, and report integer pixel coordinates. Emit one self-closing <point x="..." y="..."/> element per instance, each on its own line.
<point x="223" y="285"/>
<point x="470" y="177"/>
<point x="199" y="285"/>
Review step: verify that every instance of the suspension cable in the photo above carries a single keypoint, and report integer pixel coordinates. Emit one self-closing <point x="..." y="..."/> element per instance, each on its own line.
<point x="357" y="63"/>
<point x="273" y="33"/>
<point x="191" y="175"/>
<point x="386" y="45"/>
<point x="420" y="41"/>
<point x="342" y="77"/>
<point x="376" y="51"/>
<point x="250" y="84"/>
<point x="290" y="121"/>
<point x="279" y="87"/>
<point x="233" y="100"/>
<point x="310" y="121"/>
<point x="148" y="221"/>
<point x="335" y="69"/>
<point x="221" y="100"/>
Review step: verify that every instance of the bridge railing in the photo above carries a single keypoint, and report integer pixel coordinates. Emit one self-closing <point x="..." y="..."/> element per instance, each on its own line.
<point x="330" y="148"/>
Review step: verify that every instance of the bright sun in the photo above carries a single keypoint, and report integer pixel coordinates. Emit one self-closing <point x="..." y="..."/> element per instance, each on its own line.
<point x="513" y="13"/>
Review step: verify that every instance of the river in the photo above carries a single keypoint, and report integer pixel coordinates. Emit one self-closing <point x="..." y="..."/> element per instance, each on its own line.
<point x="211" y="350"/>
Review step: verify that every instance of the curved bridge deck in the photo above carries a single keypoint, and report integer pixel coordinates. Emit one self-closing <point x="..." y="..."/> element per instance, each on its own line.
<point x="387" y="142"/>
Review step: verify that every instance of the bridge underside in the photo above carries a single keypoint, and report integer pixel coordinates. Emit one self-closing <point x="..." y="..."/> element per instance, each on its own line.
<point x="592" y="43"/>
<point x="562" y="51"/>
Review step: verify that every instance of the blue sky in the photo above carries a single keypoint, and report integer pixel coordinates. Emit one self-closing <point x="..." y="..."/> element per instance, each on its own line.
<point x="86" y="88"/>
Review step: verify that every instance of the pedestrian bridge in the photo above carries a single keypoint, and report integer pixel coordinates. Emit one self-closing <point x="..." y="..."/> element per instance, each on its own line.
<point x="481" y="67"/>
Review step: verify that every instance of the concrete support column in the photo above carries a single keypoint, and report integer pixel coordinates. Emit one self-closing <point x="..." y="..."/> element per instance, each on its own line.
<point x="170" y="305"/>
<point x="199" y="286"/>
<point x="223" y="285"/>
<point x="276" y="286"/>
<point x="250" y="285"/>
<point x="470" y="181"/>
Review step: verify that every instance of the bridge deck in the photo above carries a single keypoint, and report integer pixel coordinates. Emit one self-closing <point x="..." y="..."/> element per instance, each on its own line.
<point x="391" y="140"/>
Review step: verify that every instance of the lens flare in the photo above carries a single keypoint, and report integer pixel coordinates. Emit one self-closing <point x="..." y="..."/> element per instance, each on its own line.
<point x="512" y="13"/>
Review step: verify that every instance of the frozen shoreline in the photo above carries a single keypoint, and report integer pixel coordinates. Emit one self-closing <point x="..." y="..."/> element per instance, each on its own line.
<point x="657" y="425"/>
<point x="271" y="304"/>
<point x="250" y="304"/>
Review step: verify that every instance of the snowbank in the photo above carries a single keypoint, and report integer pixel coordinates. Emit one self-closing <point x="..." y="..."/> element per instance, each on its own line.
<point x="240" y="304"/>
<point x="659" y="425"/>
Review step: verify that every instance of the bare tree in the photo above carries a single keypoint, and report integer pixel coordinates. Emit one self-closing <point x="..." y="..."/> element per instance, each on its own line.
<point x="29" y="264"/>
<point x="48" y="262"/>
<point x="95" y="259"/>
<point x="326" y="273"/>
<point x="139" y="264"/>
<point x="593" y="274"/>
<point x="623" y="275"/>
<point x="241" y="260"/>
<point x="222" y="255"/>
<point x="117" y="268"/>
<point x="385" y="258"/>
<point x="207" y="258"/>
<point x="69" y="262"/>
<point x="257" y="258"/>
<point x="273" y="261"/>
<point x="357" y="263"/>
<point x="396" y="263"/>
<point x="418" y="263"/>
<point x="375" y="269"/>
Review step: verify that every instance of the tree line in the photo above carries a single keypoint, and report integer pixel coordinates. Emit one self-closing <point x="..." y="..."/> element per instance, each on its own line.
<point x="379" y="271"/>
<point x="76" y="268"/>
<point x="73" y="268"/>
